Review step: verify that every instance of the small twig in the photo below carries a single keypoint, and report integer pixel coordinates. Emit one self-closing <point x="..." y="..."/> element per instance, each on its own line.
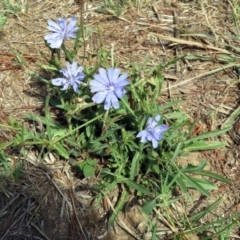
<point x="121" y="223"/>
<point x="3" y="237"/>
<point x="55" y="185"/>
<point x="39" y="230"/>
<point x="190" y="43"/>
<point x="202" y="75"/>
<point x="75" y="211"/>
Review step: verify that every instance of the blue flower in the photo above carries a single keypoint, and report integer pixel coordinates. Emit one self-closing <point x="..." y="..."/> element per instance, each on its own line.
<point x="60" y="31"/>
<point x="109" y="86"/>
<point x="72" y="76"/>
<point x="153" y="133"/>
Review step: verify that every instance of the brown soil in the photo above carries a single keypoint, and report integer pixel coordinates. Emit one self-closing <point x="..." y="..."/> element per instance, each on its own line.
<point x="48" y="201"/>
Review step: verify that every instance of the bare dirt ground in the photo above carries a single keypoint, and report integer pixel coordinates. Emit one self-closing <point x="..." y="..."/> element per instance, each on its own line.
<point x="49" y="201"/>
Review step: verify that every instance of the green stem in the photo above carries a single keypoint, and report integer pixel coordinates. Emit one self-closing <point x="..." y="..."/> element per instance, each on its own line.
<point x="67" y="53"/>
<point x="128" y="107"/>
<point x="104" y="120"/>
<point x="79" y="127"/>
<point x="48" y="116"/>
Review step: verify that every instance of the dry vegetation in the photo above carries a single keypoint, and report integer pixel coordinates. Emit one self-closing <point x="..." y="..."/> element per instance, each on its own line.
<point x="49" y="201"/>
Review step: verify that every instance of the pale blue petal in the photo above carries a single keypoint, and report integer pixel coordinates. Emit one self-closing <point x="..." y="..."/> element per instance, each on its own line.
<point x="74" y="68"/>
<point x="99" y="89"/>
<point x="153" y="121"/>
<point x="122" y="80"/>
<point x="53" y="29"/>
<point x="80" y="77"/>
<point x="149" y="137"/>
<point x="51" y="36"/>
<point x="75" y="87"/>
<point x="79" y="70"/>
<point x="162" y="128"/>
<point x="143" y="135"/>
<point x="159" y="131"/>
<point x="154" y="143"/>
<point x="99" y="97"/>
<point x="111" y="99"/>
<point x="65" y="73"/>
<point x="58" y="81"/>
<point x="96" y="83"/>
<point x="149" y="121"/>
<point x="120" y="92"/>
<point x="123" y="83"/>
<point x="157" y="118"/>
<point x="72" y="24"/>
<point x="57" y="43"/>
<point x="69" y="69"/>
<point x="65" y="87"/>
<point x="113" y="74"/>
<point x="97" y="86"/>
<point x="98" y="78"/>
<point x="54" y="25"/>
<point x="63" y="24"/>
<point x="103" y="75"/>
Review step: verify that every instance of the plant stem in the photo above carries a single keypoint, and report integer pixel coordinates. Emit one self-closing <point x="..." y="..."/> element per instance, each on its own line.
<point x="68" y="55"/>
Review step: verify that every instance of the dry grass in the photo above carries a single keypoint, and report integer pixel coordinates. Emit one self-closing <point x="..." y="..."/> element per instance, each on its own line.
<point x="45" y="204"/>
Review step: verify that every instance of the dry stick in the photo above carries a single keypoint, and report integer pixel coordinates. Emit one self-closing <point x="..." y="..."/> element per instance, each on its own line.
<point x="75" y="211"/>
<point x="55" y="185"/>
<point x="202" y="75"/>
<point x="39" y="230"/>
<point x="2" y="213"/>
<point x="206" y="17"/>
<point x="190" y="43"/>
<point x="122" y="223"/>
<point x="72" y="207"/>
<point x="176" y="35"/>
<point x="3" y="237"/>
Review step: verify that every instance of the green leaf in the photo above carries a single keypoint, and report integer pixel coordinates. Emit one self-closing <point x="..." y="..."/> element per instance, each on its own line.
<point x="3" y="20"/>
<point x="136" y="186"/>
<point x="122" y="200"/>
<point x="61" y="150"/>
<point x="192" y="182"/>
<point x="181" y="184"/>
<point x="88" y="170"/>
<point x="198" y="216"/>
<point x="148" y="206"/>
<point x="177" y="115"/>
<point x="191" y="168"/>
<point x="213" y="175"/>
<point x="43" y="120"/>
<point x="231" y="119"/>
<point x="169" y="105"/>
<point x="204" y="145"/>
<point x="207" y="135"/>
<point x="135" y="165"/>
